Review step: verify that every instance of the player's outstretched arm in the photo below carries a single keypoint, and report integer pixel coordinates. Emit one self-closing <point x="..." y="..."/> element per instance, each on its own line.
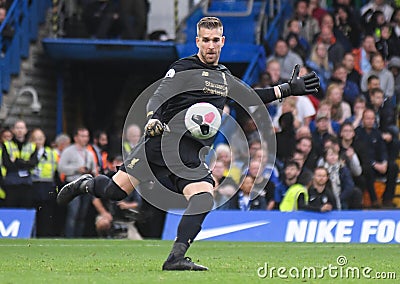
<point x="296" y="86"/>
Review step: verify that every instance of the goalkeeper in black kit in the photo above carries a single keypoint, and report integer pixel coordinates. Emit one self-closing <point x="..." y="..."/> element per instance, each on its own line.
<point x="167" y="148"/>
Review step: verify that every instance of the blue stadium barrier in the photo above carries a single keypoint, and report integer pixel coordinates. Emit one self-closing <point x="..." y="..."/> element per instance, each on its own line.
<point x="23" y="18"/>
<point x="17" y="223"/>
<point x="357" y="226"/>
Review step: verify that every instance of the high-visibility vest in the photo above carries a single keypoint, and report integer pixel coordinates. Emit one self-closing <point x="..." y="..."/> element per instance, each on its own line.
<point x="100" y="162"/>
<point x="14" y="153"/>
<point x="127" y="147"/>
<point x="289" y="202"/>
<point x="46" y="167"/>
<point x="3" y="169"/>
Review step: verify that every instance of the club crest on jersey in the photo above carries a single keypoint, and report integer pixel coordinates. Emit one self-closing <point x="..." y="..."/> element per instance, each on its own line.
<point x="132" y="163"/>
<point x="170" y="73"/>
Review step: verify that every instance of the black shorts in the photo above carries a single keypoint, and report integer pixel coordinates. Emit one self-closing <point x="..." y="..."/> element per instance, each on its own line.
<point x="161" y="156"/>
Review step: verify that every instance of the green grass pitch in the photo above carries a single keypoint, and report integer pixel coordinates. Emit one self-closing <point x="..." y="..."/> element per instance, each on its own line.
<point x="124" y="261"/>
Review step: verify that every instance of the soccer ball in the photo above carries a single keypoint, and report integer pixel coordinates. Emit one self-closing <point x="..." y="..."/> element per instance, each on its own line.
<point x="202" y="120"/>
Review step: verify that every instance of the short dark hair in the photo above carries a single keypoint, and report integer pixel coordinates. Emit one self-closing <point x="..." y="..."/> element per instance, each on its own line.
<point x="209" y="23"/>
<point x="292" y="163"/>
<point x="376" y="90"/>
<point x="344" y="124"/>
<point x="98" y="133"/>
<point x="78" y="129"/>
<point x="322" y="168"/>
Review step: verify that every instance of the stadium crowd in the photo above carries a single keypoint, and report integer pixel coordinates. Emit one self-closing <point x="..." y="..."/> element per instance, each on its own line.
<point x="334" y="149"/>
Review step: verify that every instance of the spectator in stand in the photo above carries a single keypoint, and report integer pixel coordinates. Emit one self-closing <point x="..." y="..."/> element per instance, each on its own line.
<point x="326" y="107"/>
<point x="99" y="151"/>
<point x="6" y="3"/>
<point x="340" y="110"/>
<point x="321" y="198"/>
<point x="246" y="198"/>
<point x="286" y="58"/>
<point x="350" y="4"/>
<point x="75" y="161"/>
<point x="352" y="74"/>
<point x="132" y="136"/>
<point x="362" y="55"/>
<point x="335" y="48"/>
<point x="309" y="25"/>
<point x="296" y="198"/>
<point x="350" y="89"/>
<point x="302" y="110"/>
<point x="61" y="142"/>
<point x="285" y="138"/>
<point x="304" y="145"/>
<point x="225" y="187"/>
<point x="320" y="64"/>
<point x="43" y="178"/>
<point x="394" y="67"/>
<point x="19" y="157"/>
<point x="321" y="133"/>
<point x="306" y="174"/>
<point x="289" y="178"/>
<point x="386" y="122"/>
<point x="385" y="76"/>
<point x="375" y="23"/>
<point x="348" y="25"/>
<point x="6" y="135"/>
<point x="387" y="43"/>
<point x="303" y="131"/>
<point x="224" y="154"/>
<point x="328" y="21"/>
<point x="360" y="104"/>
<point x="263" y="186"/>
<point x="274" y="70"/>
<point x="376" y="5"/>
<point x="294" y="27"/>
<point x="373" y="82"/>
<point x="315" y="10"/>
<point x="378" y="162"/>
<point x="242" y="139"/>
<point x="264" y="80"/>
<point x="395" y="22"/>
<point x="349" y="156"/>
<point x="355" y="153"/>
<point x="346" y="194"/>
<point x="269" y="170"/>
<point x="293" y="42"/>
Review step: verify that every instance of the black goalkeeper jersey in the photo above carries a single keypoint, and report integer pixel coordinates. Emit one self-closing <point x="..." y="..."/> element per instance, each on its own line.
<point x="190" y="81"/>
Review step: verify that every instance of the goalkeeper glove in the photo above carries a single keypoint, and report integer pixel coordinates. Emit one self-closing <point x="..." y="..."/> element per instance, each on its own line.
<point x="155" y="127"/>
<point x="299" y="86"/>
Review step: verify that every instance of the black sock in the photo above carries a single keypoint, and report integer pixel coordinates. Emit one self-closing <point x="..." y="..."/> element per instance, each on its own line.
<point x="104" y="187"/>
<point x="190" y="225"/>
